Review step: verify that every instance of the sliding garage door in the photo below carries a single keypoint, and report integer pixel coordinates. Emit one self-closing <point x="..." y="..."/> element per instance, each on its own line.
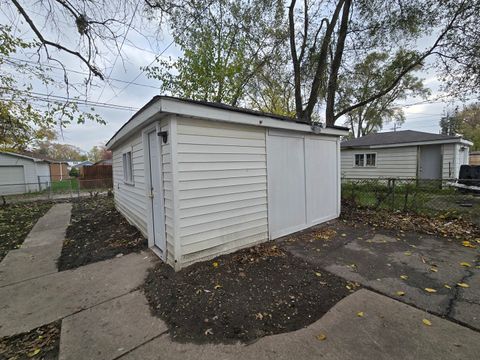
<point x="303" y="181"/>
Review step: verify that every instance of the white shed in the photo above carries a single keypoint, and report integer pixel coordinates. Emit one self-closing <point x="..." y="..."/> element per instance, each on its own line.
<point x="21" y="174"/>
<point x="202" y="179"/>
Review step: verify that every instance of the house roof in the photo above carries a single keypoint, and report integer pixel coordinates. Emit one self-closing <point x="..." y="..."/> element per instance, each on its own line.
<point x="400" y="138"/>
<point x="24" y="156"/>
<point x="212" y="111"/>
<point x="83" y="163"/>
<point x="104" y="162"/>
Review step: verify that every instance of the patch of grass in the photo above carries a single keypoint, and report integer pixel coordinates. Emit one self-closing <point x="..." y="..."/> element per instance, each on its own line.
<point x="40" y="343"/>
<point x="64" y="185"/>
<point x="16" y="221"/>
<point x="97" y="232"/>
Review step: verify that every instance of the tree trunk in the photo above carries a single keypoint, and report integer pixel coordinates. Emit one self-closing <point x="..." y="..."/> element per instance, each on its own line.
<point x="335" y="67"/>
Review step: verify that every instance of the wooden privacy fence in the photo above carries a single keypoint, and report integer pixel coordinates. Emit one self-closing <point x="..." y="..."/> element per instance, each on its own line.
<point x="96" y="176"/>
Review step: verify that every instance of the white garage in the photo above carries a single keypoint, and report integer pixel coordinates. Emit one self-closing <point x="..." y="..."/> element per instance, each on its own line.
<point x="21" y="174"/>
<point x="202" y="179"/>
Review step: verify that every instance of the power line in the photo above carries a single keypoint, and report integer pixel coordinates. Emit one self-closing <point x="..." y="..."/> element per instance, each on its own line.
<point x="76" y="71"/>
<point x="119" y="50"/>
<point x="158" y="56"/>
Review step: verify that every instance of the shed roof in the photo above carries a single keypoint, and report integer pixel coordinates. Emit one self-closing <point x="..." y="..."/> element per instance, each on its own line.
<point x="24" y="156"/>
<point x="212" y="111"/>
<point x="400" y="138"/>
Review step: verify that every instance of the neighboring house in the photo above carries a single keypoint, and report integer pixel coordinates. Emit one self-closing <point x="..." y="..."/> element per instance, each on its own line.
<point x="404" y="154"/>
<point x="475" y="158"/>
<point x="203" y="179"/>
<point x="104" y="162"/>
<point x="82" y="163"/>
<point x="21" y="173"/>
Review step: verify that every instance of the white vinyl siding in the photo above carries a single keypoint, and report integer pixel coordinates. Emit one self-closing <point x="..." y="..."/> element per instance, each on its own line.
<point x="448" y="161"/>
<point x="398" y="162"/>
<point x="222" y="187"/>
<point x="130" y="199"/>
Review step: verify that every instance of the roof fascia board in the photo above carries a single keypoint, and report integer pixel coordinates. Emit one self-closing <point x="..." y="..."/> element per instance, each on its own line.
<point x="416" y="143"/>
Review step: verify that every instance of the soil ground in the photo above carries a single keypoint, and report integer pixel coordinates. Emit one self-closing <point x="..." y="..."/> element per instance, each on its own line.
<point x="41" y="343"/>
<point x="242" y="296"/>
<point x="97" y="232"/>
<point x="16" y="221"/>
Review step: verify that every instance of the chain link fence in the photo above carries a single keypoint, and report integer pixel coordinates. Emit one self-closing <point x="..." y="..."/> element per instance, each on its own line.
<point x="47" y="189"/>
<point x="431" y="197"/>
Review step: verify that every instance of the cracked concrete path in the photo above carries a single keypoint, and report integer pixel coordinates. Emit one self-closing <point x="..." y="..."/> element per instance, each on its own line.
<point x="39" y="252"/>
<point x="32" y="303"/>
<point x="408" y="263"/>
<point x="388" y="330"/>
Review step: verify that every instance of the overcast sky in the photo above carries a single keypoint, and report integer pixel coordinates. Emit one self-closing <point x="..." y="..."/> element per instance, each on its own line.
<point x="139" y="51"/>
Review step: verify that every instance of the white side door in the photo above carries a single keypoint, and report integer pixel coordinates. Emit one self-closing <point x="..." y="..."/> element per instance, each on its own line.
<point x="155" y="192"/>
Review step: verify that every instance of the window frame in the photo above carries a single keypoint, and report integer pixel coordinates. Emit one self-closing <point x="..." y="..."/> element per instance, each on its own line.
<point x="364" y="160"/>
<point x="127" y="166"/>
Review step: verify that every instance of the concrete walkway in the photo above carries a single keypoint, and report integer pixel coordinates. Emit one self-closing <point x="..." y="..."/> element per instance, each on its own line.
<point x="123" y="328"/>
<point x="33" y="303"/>
<point x="39" y="252"/>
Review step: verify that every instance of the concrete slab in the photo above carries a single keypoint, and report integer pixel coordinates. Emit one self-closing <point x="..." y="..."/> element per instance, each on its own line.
<point x="28" y="263"/>
<point x="110" y="329"/>
<point x="39" y="252"/>
<point x="378" y="261"/>
<point x="32" y="303"/>
<point x="56" y="217"/>
<point x="388" y="330"/>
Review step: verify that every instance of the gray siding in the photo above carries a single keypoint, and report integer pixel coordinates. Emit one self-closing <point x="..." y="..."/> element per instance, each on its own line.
<point x="398" y="162"/>
<point x="30" y="173"/>
<point x="222" y="188"/>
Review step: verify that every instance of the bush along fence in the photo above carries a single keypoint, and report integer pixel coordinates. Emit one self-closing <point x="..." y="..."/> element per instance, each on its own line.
<point x="47" y="189"/>
<point x="414" y="195"/>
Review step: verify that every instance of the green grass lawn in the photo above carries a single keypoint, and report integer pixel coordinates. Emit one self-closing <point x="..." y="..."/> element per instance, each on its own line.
<point x="65" y="185"/>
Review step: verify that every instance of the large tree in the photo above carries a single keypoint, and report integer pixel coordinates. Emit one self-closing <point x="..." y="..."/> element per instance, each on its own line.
<point x="225" y="44"/>
<point x="374" y="73"/>
<point x="465" y="122"/>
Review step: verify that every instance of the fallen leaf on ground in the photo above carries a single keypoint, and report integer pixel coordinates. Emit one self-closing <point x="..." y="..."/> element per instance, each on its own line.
<point x="218" y="286"/>
<point x="427" y="322"/>
<point x="463" y="285"/>
<point x="467" y="243"/>
<point x="318" y="274"/>
<point x="360" y="314"/>
<point x="433" y="269"/>
<point x="400" y="293"/>
<point x="215" y="264"/>
<point x="33" y="353"/>
<point x="321" y="337"/>
<point x="408" y="253"/>
<point x="466" y="264"/>
<point x="447" y="286"/>
<point x="209" y="332"/>
<point x="430" y="290"/>
<point x="259" y="316"/>
<point x="403" y="277"/>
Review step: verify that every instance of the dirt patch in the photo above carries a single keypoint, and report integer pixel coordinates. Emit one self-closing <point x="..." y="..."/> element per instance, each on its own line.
<point x="242" y="296"/>
<point x="97" y="232"/>
<point x="40" y="343"/>
<point x="445" y="225"/>
<point x="16" y="221"/>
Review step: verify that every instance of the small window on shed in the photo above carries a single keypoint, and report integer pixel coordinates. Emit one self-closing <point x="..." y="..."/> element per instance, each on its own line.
<point x="127" y="168"/>
<point x="359" y="159"/>
<point x="371" y="160"/>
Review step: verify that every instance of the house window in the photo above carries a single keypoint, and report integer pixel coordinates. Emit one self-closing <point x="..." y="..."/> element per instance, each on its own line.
<point x="127" y="168"/>
<point x="371" y="159"/>
<point x="362" y="160"/>
<point x="359" y="159"/>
